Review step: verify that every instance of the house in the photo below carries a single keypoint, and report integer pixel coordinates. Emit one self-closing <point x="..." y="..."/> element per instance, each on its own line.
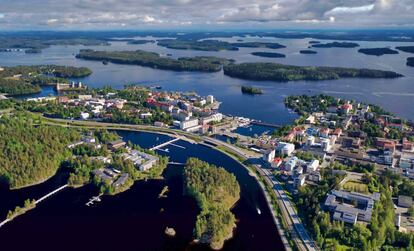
<point x="184" y="125"/>
<point x="84" y="115"/>
<point x="114" y="145"/>
<point x="324" y="132"/>
<point x="385" y="144"/>
<point x="407" y="145"/>
<point x="346" y="108"/>
<point x="310" y="120"/>
<point x="405" y="201"/>
<point x="313" y="165"/>
<point x="337" y="132"/>
<point x="299" y="181"/>
<point x="143" y="161"/>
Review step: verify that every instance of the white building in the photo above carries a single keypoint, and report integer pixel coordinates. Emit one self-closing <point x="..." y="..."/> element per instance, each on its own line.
<point x="285" y="148"/>
<point x="315" y="176"/>
<point x="299" y="181"/>
<point x="310" y="141"/>
<point x="313" y="165"/>
<point x="269" y="155"/>
<point x="84" y="115"/>
<point x="188" y="124"/>
<point x="217" y="117"/>
<point x="210" y="99"/>
<point x="291" y="163"/>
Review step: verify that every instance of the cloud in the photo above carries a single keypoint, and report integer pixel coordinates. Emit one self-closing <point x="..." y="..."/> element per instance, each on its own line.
<point x="350" y="10"/>
<point x="86" y="14"/>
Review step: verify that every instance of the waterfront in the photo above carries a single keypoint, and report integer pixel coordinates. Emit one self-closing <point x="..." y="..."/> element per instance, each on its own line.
<point x="394" y="95"/>
<point x="137" y="217"/>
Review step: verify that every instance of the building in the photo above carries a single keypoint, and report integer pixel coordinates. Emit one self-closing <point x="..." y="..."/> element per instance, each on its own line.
<point x="114" y="145"/>
<point x="276" y="162"/>
<point x="315" y="176"/>
<point x="346" y="108"/>
<point x="299" y="181"/>
<point x="407" y="145"/>
<point x="406" y="163"/>
<point x="310" y="119"/>
<point x="121" y="180"/>
<point x="291" y="163"/>
<point x="285" y="148"/>
<point x="269" y="155"/>
<point x="210" y="99"/>
<point x="143" y="161"/>
<point x="313" y="165"/>
<point x="184" y="125"/>
<point x="84" y="115"/>
<point x="217" y="117"/>
<point x="324" y="132"/>
<point x="342" y="205"/>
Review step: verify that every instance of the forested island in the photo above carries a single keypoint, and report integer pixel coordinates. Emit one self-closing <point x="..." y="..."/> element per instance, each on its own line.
<point x="410" y="61"/>
<point x="20" y="80"/>
<point x="29" y="151"/>
<point x="154" y="60"/>
<point x="307" y="52"/>
<point x="409" y="49"/>
<point x="280" y="72"/>
<point x="377" y="51"/>
<point x="142" y="41"/>
<point x="213" y="45"/>
<point x="216" y="191"/>
<point x="251" y="90"/>
<point x="268" y="54"/>
<point x="335" y="45"/>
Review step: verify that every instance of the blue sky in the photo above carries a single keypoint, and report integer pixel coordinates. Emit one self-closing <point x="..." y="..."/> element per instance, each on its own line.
<point x="250" y="14"/>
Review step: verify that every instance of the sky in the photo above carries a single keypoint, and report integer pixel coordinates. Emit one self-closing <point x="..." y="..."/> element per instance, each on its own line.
<point x="204" y="14"/>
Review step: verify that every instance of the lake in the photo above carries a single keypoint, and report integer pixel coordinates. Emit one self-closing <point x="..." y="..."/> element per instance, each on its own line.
<point x="135" y="219"/>
<point x="394" y="95"/>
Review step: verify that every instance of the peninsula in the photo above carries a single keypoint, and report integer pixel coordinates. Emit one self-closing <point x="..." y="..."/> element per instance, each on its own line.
<point x="280" y="72"/>
<point x="154" y="60"/>
<point x="410" y="61"/>
<point x="408" y="49"/>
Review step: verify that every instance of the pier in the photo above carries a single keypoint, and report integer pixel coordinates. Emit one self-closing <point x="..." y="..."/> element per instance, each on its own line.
<point x="257" y="122"/>
<point x="93" y="199"/>
<point x="176" y="163"/>
<point x="164" y="144"/>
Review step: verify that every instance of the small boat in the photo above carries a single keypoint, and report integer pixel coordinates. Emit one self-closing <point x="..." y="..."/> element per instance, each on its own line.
<point x="258" y="211"/>
<point x="158" y="87"/>
<point x="105" y="62"/>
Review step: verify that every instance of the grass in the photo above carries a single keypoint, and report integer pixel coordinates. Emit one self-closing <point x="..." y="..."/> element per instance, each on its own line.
<point x="356" y="186"/>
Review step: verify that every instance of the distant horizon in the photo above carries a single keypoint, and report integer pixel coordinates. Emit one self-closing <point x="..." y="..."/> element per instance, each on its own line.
<point x="205" y="14"/>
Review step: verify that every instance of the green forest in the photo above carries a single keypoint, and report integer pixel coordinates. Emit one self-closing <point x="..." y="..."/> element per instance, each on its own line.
<point x="20" y="80"/>
<point x="281" y="73"/>
<point x="213" y="45"/>
<point x="215" y="191"/>
<point x="29" y="151"/>
<point x="154" y="60"/>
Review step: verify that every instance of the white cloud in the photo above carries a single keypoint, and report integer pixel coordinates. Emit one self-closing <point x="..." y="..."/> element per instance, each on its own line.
<point x="350" y="10"/>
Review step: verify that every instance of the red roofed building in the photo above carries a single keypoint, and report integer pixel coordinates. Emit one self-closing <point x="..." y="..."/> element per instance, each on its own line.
<point x="407" y="145"/>
<point x="346" y="108"/>
<point x="276" y="162"/>
<point x="337" y="132"/>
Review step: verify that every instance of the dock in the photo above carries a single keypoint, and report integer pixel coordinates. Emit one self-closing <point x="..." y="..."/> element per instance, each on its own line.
<point x="93" y="199"/>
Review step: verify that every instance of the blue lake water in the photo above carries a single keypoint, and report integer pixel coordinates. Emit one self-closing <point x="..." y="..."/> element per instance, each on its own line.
<point x="393" y="94"/>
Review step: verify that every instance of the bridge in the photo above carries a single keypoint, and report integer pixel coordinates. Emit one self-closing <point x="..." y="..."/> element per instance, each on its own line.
<point x="176" y="163"/>
<point x="257" y="122"/>
<point x="39" y="201"/>
<point x="164" y="144"/>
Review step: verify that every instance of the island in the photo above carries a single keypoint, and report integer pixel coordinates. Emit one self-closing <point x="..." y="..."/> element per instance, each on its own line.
<point x="213" y="45"/>
<point x="314" y="42"/>
<point x="408" y="49"/>
<point x="307" y="52"/>
<point x="215" y="222"/>
<point x="154" y="60"/>
<point x="280" y="72"/>
<point x="251" y="90"/>
<point x="141" y="41"/>
<point x="377" y="51"/>
<point x="268" y="54"/>
<point x="21" y="80"/>
<point x="32" y="51"/>
<point x="410" y="61"/>
<point x="336" y="45"/>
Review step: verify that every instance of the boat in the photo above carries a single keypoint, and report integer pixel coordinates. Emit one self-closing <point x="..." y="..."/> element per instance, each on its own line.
<point x="105" y="62"/>
<point x="158" y="87"/>
<point x="258" y="211"/>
